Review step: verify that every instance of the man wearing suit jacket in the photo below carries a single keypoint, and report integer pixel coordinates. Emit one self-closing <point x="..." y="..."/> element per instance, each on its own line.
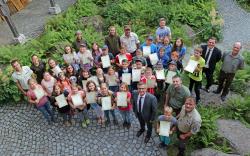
<point x="212" y="55"/>
<point x="144" y="107"/>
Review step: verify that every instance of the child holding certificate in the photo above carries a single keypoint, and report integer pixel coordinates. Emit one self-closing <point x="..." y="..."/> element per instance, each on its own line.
<point x="64" y="83"/>
<point x="71" y="73"/>
<point x="70" y="57"/>
<point x="54" y="68"/>
<point x="103" y="58"/>
<point x="100" y="75"/>
<point x="149" y="79"/>
<point x="170" y="72"/>
<point x="106" y="99"/>
<point x="85" y="57"/>
<point x="125" y="72"/>
<point x="123" y="55"/>
<point x="165" y="126"/>
<point x="124" y="109"/>
<point x="91" y="97"/>
<point x="77" y="102"/>
<point x="84" y="75"/>
<point x="138" y="55"/>
<point x="36" y="95"/>
<point x="196" y="76"/>
<point x="64" y="110"/>
<point x="48" y="83"/>
<point x="112" y="79"/>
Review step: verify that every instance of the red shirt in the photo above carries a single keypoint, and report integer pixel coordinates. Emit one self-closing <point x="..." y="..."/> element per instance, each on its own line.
<point x="144" y="80"/>
<point x="128" y="56"/>
<point x="129" y="107"/>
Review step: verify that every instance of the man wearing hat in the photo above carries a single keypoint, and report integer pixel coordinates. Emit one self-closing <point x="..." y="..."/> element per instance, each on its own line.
<point x="130" y="40"/>
<point x="79" y="40"/>
<point x="105" y="51"/>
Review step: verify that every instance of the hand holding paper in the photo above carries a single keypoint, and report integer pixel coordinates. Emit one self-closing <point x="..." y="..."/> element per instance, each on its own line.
<point x="164" y="128"/>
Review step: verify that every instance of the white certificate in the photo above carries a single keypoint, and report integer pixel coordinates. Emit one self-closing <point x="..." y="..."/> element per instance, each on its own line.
<point x="95" y="79"/>
<point x="39" y="93"/>
<point x="169" y="77"/>
<point x="106" y="103"/>
<point x="150" y="83"/>
<point x="84" y="82"/>
<point x="191" y="66"/>
<point x="85" y="60"/>
<point x="126" y="77"/>
<point x="57" y="70"/>
<point x="68" y="58"/>
<point x="146" y="50"/>
<point x="91" y="97"/>
<point x="122" y="57"/>
<point x="105" y="61"/>
<point x="164" y="128"/>
<point x="61" y="101"/>
<point x="77" y="100"/>
<point x="111" y="80"/>
<point x="122" y="99"/>
<point x="160" y="74"/>
<point x="136" y="75"/>
<point x="153" y="58"/>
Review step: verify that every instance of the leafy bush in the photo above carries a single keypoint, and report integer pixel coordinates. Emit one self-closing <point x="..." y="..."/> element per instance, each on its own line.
<point x="208" y="134"/>
<point x="58" y="31"/>
<point x="177" y="13"/>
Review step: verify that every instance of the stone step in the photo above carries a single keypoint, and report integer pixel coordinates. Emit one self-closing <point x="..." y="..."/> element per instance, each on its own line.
<point x="236" y="133"/>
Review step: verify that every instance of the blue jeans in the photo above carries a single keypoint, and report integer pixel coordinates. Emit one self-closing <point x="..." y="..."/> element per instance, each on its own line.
<point x="106" y="112"/>
<point x="46" y="111"/>
<point x="126" y="116"/>
<point x="97" y="109"/>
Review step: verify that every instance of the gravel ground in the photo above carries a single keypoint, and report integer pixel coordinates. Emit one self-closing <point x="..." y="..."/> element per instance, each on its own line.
<point x="30" y="21"/>
<point x="236" y="24"/>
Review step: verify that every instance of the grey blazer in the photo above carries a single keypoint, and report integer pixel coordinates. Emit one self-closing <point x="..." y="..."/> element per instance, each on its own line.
<point x="149" y="106"/>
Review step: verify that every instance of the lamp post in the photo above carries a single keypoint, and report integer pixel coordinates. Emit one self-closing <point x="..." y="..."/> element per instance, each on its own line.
<point x="4" y="11"/>
<point x="54" y="8"/>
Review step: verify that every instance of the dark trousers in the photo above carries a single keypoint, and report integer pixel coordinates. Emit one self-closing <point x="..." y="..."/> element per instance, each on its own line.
<point x="209" y="76"/>
<point x="142" y="125"/>
<point x="182" y="144"/>
<point x="197" y="86"/>
<point x="226" y="78"/>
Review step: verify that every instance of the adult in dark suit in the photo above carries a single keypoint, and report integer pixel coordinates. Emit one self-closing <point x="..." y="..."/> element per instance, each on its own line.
<point x="144" y="107"/>
<point x="212" y="55"/>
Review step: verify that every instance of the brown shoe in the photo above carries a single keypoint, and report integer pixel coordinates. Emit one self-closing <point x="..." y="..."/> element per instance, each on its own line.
<point x="67" y="123"/>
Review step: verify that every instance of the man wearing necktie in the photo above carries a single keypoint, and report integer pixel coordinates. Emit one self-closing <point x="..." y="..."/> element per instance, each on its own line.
<point x="144" y="107"/>
<point x="212" y="55"/>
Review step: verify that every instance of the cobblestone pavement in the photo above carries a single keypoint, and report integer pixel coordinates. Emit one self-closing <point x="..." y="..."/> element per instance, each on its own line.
<point x="24" y="131"/>
<point x="236" y="24"/>
<point x="30" y="21"/>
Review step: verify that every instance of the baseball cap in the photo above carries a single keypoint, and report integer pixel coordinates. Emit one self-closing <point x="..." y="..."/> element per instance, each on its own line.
<point x="172" y="62"/>
<point x="105" y="47"/>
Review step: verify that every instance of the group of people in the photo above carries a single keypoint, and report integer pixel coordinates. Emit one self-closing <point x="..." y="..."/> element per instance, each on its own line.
<point x="126" y="75"/>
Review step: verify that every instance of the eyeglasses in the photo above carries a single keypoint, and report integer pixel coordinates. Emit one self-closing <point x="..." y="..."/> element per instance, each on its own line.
<point x="141" y="88"/>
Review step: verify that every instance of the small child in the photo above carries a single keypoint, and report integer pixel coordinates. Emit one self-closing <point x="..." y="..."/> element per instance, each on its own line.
<point x="148" y="76"/>
<point x="138" y="55"/>
<point x="171" y="67"/>
<point x="81" y="107"/>
<point x="125" y="111"/>
<point x="91" y="87"/>
<point x="65" y="111"/>
<point x="112" y="79"/>
<point x="175" y="57"/>
<point x="64" y="83"/>
<point x="100" y="75"/>
<point x="125" y="69"/>
<point x="84" y="75"/>
<point x="138" y="65"/>
<point x="196" y="76"/>
<point x="85" y="58"/>
<point x="54" y="68"/>
<point x="164" y="140"/>
<point x="123" y="55"/>
<point x="105" y="92"/>
<point x="105" y="52"/>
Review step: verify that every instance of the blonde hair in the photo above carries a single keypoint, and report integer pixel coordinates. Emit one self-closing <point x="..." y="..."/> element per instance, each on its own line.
<point x="168" y="109"/>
